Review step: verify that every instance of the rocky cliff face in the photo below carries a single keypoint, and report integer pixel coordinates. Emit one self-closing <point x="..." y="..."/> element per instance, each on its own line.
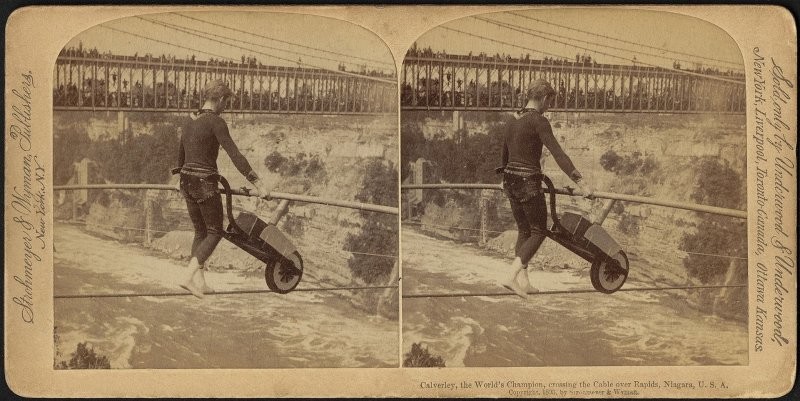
<point x="651" y="235"/>
<point x="343" y="146"/>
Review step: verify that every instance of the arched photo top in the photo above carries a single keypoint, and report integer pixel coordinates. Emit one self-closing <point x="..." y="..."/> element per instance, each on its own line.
<point x="305" y="58"/>
<point x="280" y="131"/>
<point x="486" y="61"/>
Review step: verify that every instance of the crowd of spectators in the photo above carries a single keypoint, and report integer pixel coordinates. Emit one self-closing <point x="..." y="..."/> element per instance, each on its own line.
<point x="505" y="95"/>
<point x="699" y="69"/>
<point x="581" y="60"/>
<point x="96" y="93"/>
<point x="246" y="62"/>
<point x="298" y="92"/>
<point x="445" y="91"/>
<point x="293" y="89"/>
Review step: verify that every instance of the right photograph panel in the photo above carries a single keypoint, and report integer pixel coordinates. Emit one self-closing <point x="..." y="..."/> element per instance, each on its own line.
<point x="574" y="191"/>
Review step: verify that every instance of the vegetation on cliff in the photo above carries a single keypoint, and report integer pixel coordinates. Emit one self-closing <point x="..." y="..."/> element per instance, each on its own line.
<point x="638" y="170"/>
<point x="716" y="185"/>
<point x="463" y="158"/>
<point x="138" y="159"/>
<point x="378" y="234"/>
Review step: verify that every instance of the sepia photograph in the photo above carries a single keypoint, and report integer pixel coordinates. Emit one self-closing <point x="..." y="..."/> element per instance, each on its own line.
<point x="574" y="191"/>
<point x="225" y="194"/>
<point x="317" y="201"/>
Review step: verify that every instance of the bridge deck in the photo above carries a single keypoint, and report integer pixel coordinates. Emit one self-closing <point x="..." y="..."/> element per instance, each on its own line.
<point x="491" y="84"/>
<point x="167" y="85"/>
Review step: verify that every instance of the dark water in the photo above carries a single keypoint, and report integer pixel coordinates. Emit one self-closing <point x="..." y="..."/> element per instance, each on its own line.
<point x="231" y="331"/>
<point x="591" y="329"/>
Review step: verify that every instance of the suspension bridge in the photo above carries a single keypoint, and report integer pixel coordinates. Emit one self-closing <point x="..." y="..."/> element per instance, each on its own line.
<point x="276" y="74"/>
<point x="284" y="84"/>
<point x="481" y="82"/>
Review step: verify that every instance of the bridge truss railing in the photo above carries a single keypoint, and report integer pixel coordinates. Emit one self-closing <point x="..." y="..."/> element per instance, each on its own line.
<point x="488" y="84"/>
<point x="172" y="85"/>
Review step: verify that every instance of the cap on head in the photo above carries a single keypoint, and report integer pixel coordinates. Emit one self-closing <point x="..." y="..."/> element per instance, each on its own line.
<point x="217" y="89"/>
<point x="539" y="89"/>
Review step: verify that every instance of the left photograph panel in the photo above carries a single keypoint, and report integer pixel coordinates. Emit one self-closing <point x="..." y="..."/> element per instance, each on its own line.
<point x="225" y="194"/>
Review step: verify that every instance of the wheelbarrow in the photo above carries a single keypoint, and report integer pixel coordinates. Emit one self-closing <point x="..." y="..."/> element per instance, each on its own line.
<point x="591" y="242"/>
<point x="283" y="264"/>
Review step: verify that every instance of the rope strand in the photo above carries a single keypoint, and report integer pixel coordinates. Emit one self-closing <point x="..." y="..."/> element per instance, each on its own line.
<point x="499" y="294"/>
<point x="232" y="292"/>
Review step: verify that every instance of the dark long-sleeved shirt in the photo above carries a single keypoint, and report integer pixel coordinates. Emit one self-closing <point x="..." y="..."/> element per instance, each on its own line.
<point x="522" y="150"/>
<point x="200" y="142"/>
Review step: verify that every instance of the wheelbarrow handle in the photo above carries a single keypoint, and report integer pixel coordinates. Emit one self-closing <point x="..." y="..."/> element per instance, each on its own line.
<point x="229" y="204"/>
<point x="551" y="189"/>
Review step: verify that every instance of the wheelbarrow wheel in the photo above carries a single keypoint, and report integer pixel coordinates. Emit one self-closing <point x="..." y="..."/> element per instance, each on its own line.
<point x="284" y="274"/>
<point x="609" y="273"/>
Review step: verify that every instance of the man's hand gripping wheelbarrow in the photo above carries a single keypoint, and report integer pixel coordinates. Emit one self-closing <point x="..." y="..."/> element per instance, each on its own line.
<point x="583" y="189"/>
<point x="262" y="190"/>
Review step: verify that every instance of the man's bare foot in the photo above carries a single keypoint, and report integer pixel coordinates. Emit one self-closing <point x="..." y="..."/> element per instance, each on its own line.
<point x="528" y="288"/>
<point x="207" y="289"/>
<point x="524" y="282"/>
<point x="189" y="286"/>
<point x="514" y="286"/>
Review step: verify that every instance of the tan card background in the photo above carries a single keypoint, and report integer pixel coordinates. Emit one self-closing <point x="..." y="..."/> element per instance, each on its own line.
<point x="35" y="35"/>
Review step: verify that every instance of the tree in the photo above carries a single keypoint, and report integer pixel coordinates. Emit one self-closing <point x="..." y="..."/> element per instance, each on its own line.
<point x="717" y="185"/>
<point x="71" y="145"/>
<point x="420" y="357"/>
<point x="461" y="158"/>
<point x="143" y="158"/>
<point x="85" y="358"/>
<point x="628" y="164"/>
<point x="412" y="145"/>
<point x="378" y="235"/>
<point x="311" y="169"/>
